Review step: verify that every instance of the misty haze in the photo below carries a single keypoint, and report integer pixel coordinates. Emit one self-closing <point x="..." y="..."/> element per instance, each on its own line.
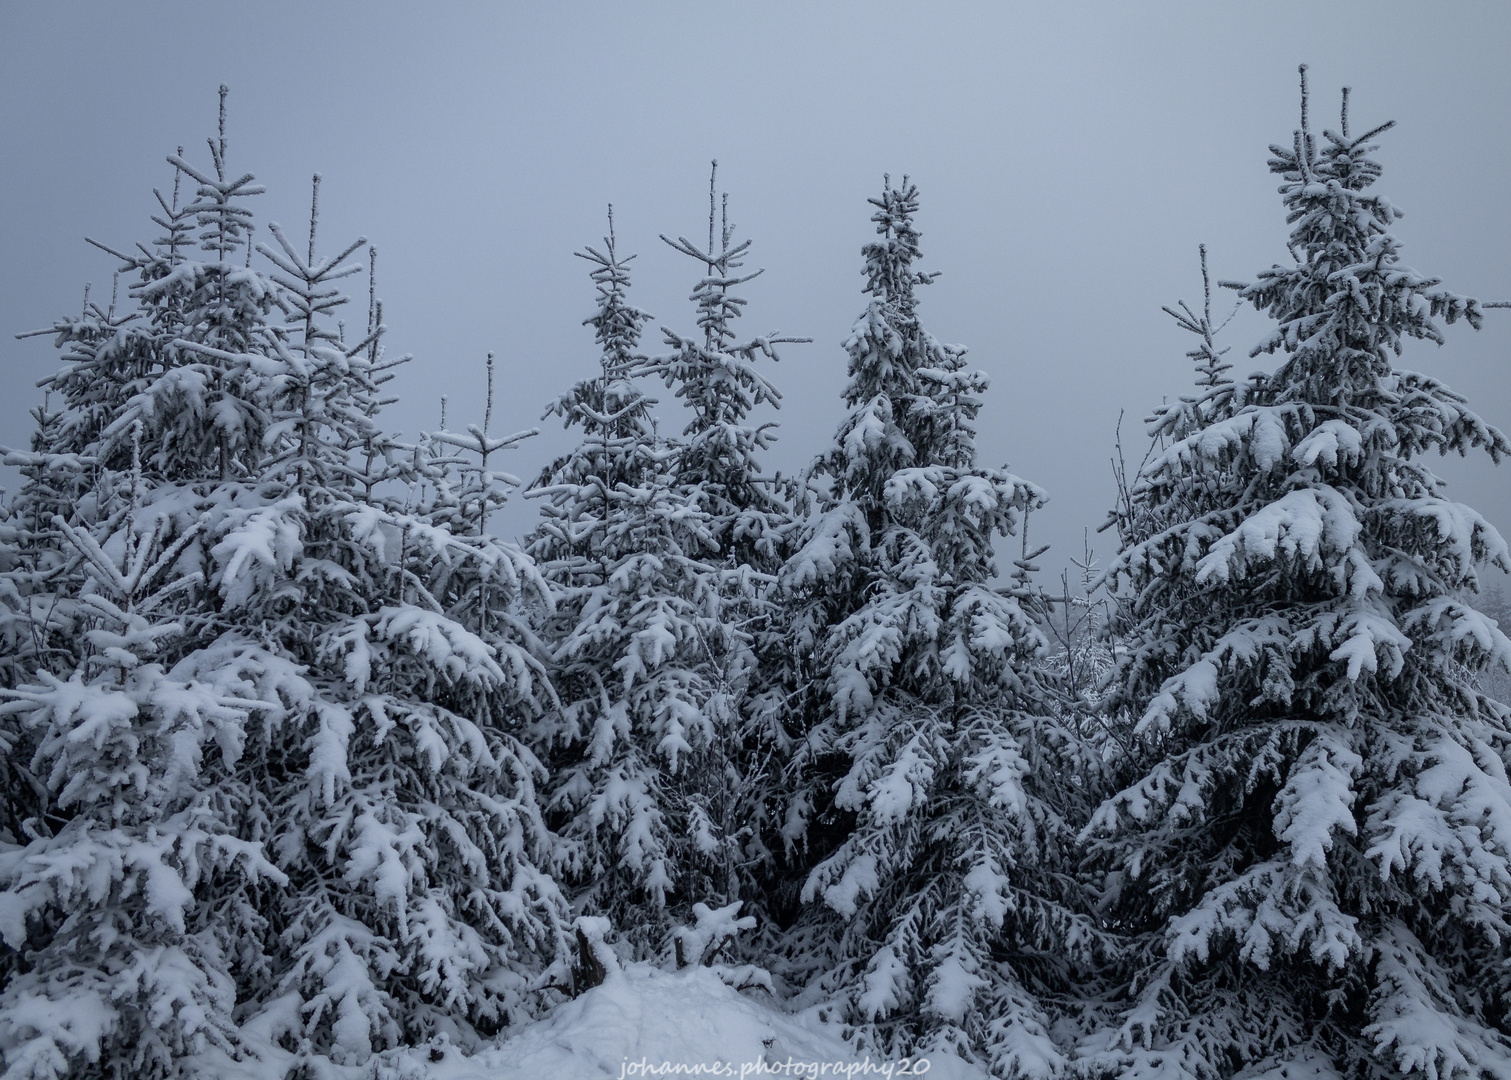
<point x="855" y="539"/>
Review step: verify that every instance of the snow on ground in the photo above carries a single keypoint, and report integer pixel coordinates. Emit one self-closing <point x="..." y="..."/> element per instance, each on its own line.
<point x="658" y="1017"/>
<point x="643" y="1022"/>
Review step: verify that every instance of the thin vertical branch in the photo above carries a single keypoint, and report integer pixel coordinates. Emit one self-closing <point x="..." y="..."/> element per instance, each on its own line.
<point x="712" y="173"/>
<point x="221" y="156"/>
<point x="314" y="214"/>
<point x="488" y="408"/>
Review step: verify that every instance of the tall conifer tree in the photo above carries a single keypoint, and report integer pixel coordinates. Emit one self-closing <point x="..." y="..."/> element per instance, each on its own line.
<point x="718" y="379"/>
<point x="637" y="640"/>
<point x="1312" y="860"/>
<point x="931" y="785"/>
<point x="276" y="778"/>
<point x="121" y="966"/>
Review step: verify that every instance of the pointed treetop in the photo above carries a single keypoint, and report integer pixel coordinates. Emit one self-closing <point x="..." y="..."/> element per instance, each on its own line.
<point x="218" y="153"/>
<point x="616" y="322"/>
<point x="889" y="273"/>
<point x="1302" y="70"/>
<point x="717" y="308"/>
<point x="314" y="214"/>
<point x="1347" y="304"/>
<point x="1210" y="366"/>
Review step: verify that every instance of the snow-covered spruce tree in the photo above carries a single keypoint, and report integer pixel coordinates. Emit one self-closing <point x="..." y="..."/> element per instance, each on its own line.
<point x="1497" y="604"/>
<point x="267" y="800"/>
<point x="459" y="489"/>
<point x="82" y="484"/>
<point x="930" y="784"/>
<point x="637" y="641"/>
<point x="716" y="377"/>
<point x="115" y="963"/>
<point x="1312" y="858"/>
<point x="1083" y="653"/>
<point x="404" y="812"/>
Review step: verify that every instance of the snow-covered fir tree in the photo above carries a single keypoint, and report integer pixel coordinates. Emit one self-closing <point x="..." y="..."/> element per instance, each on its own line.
<point x="124" y="753"/>
<point x="1083" y="652"/>
<point x="1496" y="603"/>
<point x="644" y="660"/>
<point x="1311" y="859"/>
<point x="717" y="378"/>
<point x="929" y="785"/>
<point x="413" y="785"/>
<point x="278" y="781"/>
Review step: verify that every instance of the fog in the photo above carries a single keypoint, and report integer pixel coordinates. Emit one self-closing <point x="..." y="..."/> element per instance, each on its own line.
<point x="1070" y="157"/>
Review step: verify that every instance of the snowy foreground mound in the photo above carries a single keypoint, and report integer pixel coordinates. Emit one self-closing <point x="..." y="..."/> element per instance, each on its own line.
<point x="642" y="1022"/>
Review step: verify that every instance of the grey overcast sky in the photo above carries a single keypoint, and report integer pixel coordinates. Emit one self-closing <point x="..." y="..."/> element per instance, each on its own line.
<point x="1071" y="157"/>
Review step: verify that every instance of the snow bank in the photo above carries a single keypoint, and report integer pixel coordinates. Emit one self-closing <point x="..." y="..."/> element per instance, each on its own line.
<point x="641" y="1023"/>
